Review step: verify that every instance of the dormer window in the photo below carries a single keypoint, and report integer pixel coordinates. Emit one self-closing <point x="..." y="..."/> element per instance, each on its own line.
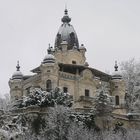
<point x="72" y="39"/>
<point x="58" y="42"/>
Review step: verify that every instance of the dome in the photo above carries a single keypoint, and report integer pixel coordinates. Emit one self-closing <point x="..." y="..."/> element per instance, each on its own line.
<point x="49" y="58"/>
<point x="67" y="33"/>
<point x="17" y="74"/>
<point x="116" y="74"/>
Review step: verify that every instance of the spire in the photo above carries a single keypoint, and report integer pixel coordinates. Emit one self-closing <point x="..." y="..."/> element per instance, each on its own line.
<point x="18" y="66"/>
<point x="116" y="74"/>
<point x="66" y="18"/>
<point x="116" y="66"/>
<point x="50" y="49"/>
<point x="66" y="11"/>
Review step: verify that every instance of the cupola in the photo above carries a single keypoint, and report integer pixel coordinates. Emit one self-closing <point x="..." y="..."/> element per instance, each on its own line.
<point x="49" y="58"/>
<point x="66" y="33"/>
<point x="17" y="74"/>
<point x="116" y="74"/>
<point x="82" y="47"/>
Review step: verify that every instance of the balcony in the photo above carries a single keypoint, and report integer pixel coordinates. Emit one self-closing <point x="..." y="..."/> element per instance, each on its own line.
<point x="67" y="75"/>
<point x="86" y="98"/>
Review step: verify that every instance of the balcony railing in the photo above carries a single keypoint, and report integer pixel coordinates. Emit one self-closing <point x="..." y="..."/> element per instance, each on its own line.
<point x="86" y="98"/>
<point x="67" y="75"/>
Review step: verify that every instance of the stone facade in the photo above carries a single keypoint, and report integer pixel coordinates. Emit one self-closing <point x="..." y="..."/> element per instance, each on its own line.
<point x="65" y="67"/>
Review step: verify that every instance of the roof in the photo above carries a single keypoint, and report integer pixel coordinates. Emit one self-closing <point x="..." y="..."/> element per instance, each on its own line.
<point x="72" y="68"/>
<point x="36" y="70"/>
<point x="26" y="77"/>
<point x="66" y="33"/>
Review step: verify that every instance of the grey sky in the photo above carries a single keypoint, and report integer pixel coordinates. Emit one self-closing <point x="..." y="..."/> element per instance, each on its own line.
<point x="110" y="30"/>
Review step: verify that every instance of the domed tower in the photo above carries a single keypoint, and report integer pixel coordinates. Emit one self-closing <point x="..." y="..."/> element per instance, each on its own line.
<point x="15" y="84"/>
<point x="118" y="87"/>
<point x="66" y="33"/>
<point x="66" y="46"/>
<point x="49" y="72"/>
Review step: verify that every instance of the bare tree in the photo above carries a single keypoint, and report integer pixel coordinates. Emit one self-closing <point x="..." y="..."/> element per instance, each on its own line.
<point x="5" y="102"/>
<point x="131" y="73"/>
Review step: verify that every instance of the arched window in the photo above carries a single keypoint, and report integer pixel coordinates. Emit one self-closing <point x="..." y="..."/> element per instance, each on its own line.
<point x="117" y="100"/>
<point x="49" y="85"/>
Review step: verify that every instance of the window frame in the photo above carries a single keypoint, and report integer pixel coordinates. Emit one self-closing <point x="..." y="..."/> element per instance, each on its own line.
<point x="117" y="100"/>
<point x="65" y="89"/>
<point x="87" y="93"/>
<point x="48" y="85"/>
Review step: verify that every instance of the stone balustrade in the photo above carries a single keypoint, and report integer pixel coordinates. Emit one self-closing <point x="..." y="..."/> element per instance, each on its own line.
<point x="67" y="75"/>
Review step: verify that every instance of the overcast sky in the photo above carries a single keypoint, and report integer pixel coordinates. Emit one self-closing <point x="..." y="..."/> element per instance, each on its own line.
<point x="109" y="29"/>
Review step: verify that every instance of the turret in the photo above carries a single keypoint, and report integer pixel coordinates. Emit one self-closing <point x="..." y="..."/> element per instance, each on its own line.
<point x="82" y="49"/>
<point x="15" y="84"/>
<point x="66" y="33"/>
<point x="66" y="46"/>
<point x="49" y="72"/>
<point x="118" y="87"/>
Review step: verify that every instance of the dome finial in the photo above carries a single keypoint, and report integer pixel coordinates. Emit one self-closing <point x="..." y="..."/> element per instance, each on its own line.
<point x="50" y="49"/>
<point x="17" y="74"/>
<point x="18" y="66"/>
<point x="66" y="11"/>
<point x="116" y="66"/>
<point x="66" y="18"/>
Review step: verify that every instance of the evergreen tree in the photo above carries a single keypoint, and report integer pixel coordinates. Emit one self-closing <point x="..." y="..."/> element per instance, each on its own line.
<point x="103" y="105"/>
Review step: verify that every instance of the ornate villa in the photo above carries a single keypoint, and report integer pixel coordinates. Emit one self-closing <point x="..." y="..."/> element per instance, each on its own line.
<point x="65" y="66"/>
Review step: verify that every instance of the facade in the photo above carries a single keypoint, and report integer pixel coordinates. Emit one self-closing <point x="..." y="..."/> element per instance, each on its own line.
<point x="65" y="67"/>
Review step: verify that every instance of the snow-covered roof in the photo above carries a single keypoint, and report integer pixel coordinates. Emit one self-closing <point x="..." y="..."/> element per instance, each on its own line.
<point x="17" y="75"/>
<point x="49" y="58"/>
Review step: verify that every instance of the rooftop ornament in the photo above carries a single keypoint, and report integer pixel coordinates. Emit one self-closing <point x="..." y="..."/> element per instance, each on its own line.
<point x="116" y="66"/>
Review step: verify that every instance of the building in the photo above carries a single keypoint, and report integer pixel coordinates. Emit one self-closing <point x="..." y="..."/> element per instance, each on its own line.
<point x="65" y="67"/>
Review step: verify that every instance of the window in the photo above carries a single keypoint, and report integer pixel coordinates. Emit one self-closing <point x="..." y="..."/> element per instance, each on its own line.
<point x="72" y="39"/>
<point x="28" y="90"/>
<point x="117" y="100"/>
<point x="16" y="97"/>
<point x="48" y="71"/>
<point x="65" y="89"/>
<point x="86" y="92"/>
<point x="49" y="85"/>
<point x="58" y="41"/>
<point x="116" y="86"/>
<point x="73" y="62"/>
